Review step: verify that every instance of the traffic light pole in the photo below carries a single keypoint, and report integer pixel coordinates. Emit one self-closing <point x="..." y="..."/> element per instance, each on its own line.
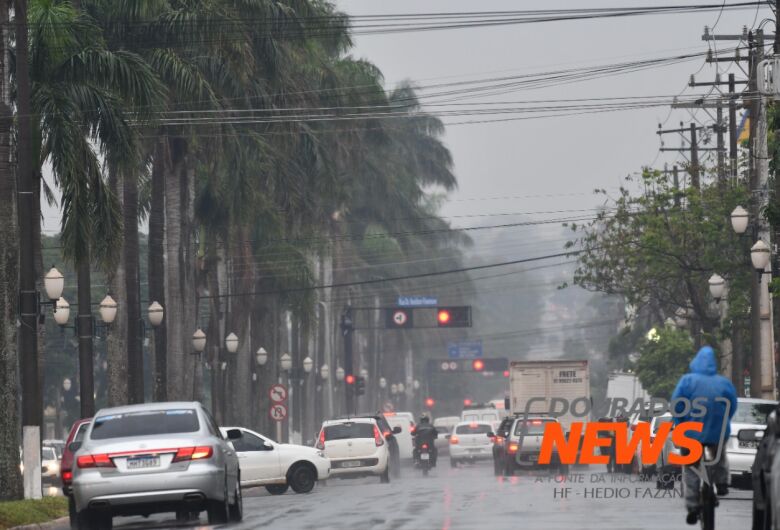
<point x="347" y="331"/>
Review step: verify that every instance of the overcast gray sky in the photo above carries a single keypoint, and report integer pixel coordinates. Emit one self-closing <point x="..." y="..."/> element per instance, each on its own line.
<point x="557" y="156"/>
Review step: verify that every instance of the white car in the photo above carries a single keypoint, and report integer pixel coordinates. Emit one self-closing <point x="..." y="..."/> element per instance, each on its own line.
<point x="444" y="425"/>
<point x="355" y="447"/>
<point x="277" y="466"/>
<point x="486" y="414"/>
<point x="404" y="438"/>
<point x="50" y="464"/>
<point x="471" y="441"/>
<point x="751" y="414"/>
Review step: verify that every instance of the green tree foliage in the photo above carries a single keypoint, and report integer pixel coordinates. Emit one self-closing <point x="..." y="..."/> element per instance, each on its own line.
<point x="665" y="354"/>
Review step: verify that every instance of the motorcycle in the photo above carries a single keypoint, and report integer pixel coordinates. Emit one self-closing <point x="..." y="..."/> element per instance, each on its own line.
<point x="424" y="456"/>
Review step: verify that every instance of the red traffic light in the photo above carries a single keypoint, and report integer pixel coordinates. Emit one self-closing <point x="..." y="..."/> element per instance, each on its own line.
<point x="350" y="379"/>
<point x="478" y="365"/>
<point x="430" y="402"/>
<point x="506" y="373"/>
<point x="444" y="316"/>
<point x="467" y="402"/>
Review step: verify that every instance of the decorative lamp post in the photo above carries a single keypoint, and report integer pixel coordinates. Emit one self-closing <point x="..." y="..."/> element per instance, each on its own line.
<point x="54" y="284"/>
<point x="156" y="313"/>
<point x="324" y="372"/>
<point x="261" y="357"/>
<point x="107" y="309"/>
<point x="231" y="343"/>
<point x="759" y="255"/>
<point x="61" y="312"/>
<point x="199" y="341"/>
<point x="739" y="220"/>
<point x="717" y="287"/>
<point x="285" y="361"/>
<point x="308" y="364"/>
<point x="339" y="374"/>
<point x="382" y="382"/>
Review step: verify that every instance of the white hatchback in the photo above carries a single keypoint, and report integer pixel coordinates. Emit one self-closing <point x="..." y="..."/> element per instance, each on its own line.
<point x="278" y="466"/>
<point x="471" y="441"/>
<point x="355" y="447"/>
<point x="751" y="414"/>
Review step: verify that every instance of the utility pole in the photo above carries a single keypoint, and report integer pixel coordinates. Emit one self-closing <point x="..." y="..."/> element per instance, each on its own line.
<point x="732" y="128"/>
<point x="694" y="171"/>
<point x="693" y="148"/>
<point x="347" y="331"/>
<point x="32" y="406"/>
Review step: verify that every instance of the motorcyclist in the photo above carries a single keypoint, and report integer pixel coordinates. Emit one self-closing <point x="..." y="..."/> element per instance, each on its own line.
<point x="703" y="381"/>
<point x="425" y="432"/>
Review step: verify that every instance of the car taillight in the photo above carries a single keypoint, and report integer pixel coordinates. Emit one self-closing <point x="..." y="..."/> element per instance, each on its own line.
<point x="498" y="440"/>
<point x="88" y="461"/>
<point x="67" y="476"/>
<point x="412" y="429"/>
<point x="513" y="447"/>
<point x="424" y="446"/>
<point x="454" y="440"/>
<point x="321" y="441"/>
<point x="377" y="436"/>
<point x="193" y="453"/>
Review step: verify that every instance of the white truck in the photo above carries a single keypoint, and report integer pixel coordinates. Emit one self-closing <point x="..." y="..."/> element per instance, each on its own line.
<point x="626" y="386"/>
<point x="547" y="383"/>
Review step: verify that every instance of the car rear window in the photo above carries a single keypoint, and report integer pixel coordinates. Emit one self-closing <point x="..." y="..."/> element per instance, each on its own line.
<point x="48" y="453"/>
<point x="531" y="427"/>
<point x="146" y="423"/>
<point x="477" y="428"/>
<point x="344" y="431"/>
<point x="752" y="413"/>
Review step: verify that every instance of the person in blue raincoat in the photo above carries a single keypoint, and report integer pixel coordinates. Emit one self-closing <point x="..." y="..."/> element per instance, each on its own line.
<point x="720" y="401"/>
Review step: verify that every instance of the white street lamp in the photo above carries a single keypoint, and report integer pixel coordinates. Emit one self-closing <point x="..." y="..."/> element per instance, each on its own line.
<point x="66" y="384"/>
<point x="54" y="283"/>
<point x="717" y="287"/>
<point x="156" y="314"/>
<point x="401" y="388"/>
<point x="231" y="343"/>
<point x="759" y="255"/>
<point x="308" y="364"/>
<point x="339" y="374"/>
<point x="261" y="356"/>
<point x="61" y="312"/>
<point x="393" y="389"/>
<point x="382" y="382"/>
<point x="286" y="362"/>
<point x="416" y="384"/>
<point x="324" y="372"/>
<point x="199" y="341"/>
<point x="364" y="374"/>
<point x="739" y="220"/>
<point x="108" y="309"/>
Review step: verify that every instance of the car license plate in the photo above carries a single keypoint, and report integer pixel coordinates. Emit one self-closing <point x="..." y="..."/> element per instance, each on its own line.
<point x="475" y="450"/>
<point x="352" y="463"/>
<point x="143" y="462"/>
<point x="425" y="456"/>
<point x="748" y="445"/>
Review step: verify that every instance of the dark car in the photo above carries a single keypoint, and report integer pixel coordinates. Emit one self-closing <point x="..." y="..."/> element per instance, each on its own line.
<point x="499" y="445"/>
<point x="389" y="433"/>
<point x="764" y="498"/>
<point x="75" y="436"/>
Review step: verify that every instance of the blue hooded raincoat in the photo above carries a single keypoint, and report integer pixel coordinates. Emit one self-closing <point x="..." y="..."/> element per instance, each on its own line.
<point x="703" y="381"/>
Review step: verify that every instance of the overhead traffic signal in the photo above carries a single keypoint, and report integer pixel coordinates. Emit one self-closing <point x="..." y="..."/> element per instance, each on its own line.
<point x="349" y="379"/>
<point x="478" y="365"/>
<point x="360" y="386"/>
<point x="430" y="402"/>
<point x="453" y="317"/>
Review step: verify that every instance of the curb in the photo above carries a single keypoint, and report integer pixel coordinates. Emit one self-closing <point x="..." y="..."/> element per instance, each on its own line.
<point x="48" y="525"/>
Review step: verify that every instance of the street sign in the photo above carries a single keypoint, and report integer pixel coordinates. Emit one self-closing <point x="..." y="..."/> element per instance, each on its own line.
<point x="417" y="301"/>
<point x="278" y="412"/>
<point x="466" y="349"/>
<point x="399" y="318"/>
<point x="278" y="393"/>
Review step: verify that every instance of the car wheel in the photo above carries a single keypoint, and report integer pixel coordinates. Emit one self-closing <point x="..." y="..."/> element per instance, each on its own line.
<point x="277" y="489"/>
<point x="91" y="520"/>
<point x="237" y="508"/>
<point x="72" y="513"/>
<point x="384" y="478"/>
<point x="302" y="478"/>
<point x="218" y="510"/>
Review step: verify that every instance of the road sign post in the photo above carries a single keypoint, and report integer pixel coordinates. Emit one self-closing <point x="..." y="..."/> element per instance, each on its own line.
<point x="278" y="412"/>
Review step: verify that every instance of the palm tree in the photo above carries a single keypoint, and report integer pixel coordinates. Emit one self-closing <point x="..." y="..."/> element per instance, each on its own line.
<point x="82" y="92"/>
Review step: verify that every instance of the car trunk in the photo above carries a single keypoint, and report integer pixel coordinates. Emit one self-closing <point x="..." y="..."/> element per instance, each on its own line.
<point x="143" y="455"/>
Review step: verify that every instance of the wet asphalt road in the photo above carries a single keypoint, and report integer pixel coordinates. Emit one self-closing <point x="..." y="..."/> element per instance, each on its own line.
<point x="471" y="497"/>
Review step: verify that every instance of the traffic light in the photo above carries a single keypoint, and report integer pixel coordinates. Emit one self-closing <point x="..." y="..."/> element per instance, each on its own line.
<point x="478" y="365"/>
<point x="360" y="386"/>
<point x="453" y="317"/>
<point x="467" y="402"/>
<point x="349" y="379"/>
<point x="430" y="402"/>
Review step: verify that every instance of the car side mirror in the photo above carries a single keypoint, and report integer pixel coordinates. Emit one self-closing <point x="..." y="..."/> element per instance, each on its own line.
<point x="234" y="434"/>
<point x="74" y="446"/>
<point x="397" y="430"/>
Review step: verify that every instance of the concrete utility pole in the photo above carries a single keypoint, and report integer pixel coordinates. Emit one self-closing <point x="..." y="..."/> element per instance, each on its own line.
<point x="762" y="375"/>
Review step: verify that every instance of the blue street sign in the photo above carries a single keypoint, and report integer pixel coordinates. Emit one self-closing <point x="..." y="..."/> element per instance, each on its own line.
<point x="417" y="301"/>
<point x="467" y="349"/>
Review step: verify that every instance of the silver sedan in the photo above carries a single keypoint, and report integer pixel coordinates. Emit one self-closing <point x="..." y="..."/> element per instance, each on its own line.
<point x="152" y="458"/>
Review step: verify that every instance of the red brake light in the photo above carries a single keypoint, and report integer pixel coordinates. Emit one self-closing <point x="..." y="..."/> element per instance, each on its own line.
<point x="386" y="434"/>
<point x="88" y="461"/>
<point x="377" y="437"/>
<point x="512" y="449"/>
<point x="193" y="453"/>
<point x="454" y="440"/>
<point x="425" y="446"/>
<point x="412" y="429"/>
<point x="67" y="476"/>
<point x="321" y="441"/>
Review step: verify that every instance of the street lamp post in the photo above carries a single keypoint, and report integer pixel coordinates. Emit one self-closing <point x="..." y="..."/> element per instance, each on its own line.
<point x="156" y="314"/>
<point x="719" y="293"/>
<point x="198" y="345"/>
<point x="325" y="375"/>
<point x="285" y="363"/>
<point x="340" y="379"/>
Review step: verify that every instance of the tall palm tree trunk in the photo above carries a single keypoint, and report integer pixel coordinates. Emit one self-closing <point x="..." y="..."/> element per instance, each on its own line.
<point x="116" y="342"/>
<point x="10" y="478"/>
<point x="84" y="329"/>
<point x="135" y="356"/>
<point x="157" y="270"/>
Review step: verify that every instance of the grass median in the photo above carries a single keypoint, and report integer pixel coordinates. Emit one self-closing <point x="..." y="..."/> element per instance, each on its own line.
<point x="18" y="513"/>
